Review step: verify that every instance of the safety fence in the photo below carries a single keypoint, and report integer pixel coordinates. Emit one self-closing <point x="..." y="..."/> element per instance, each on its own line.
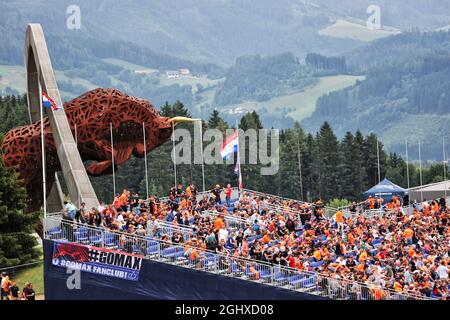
<point x="168" y="229"/>
<point x="280" y="276"/>
<point x="230" y="220"/>
<point x="283" y="206"/>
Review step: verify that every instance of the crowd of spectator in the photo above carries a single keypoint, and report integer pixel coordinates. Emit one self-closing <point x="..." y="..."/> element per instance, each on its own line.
<point x="407" y="253"/>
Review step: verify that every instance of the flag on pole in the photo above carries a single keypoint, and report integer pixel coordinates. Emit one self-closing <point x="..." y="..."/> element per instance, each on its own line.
<point x="49" y="103"/>
<point x="230" y="146"/>
<point x="237" y="171"/>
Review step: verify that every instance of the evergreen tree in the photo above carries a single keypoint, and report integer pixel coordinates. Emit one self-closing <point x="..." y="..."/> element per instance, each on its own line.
<point x="17" y="245"/>
<point x="371" y="159"/>
<point x="328" y="158"/>
<point x="348" y="167"/>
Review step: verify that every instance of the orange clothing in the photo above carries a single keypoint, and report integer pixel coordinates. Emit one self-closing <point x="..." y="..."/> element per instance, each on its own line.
<point x="378" y="294"/>
<point x="188" y="191"/>
<point x="266" y="238"/>
<point x="371" y="203"/>
<point x="436" y="207"/>
<point x="360" y="267"/>
<point x="317" y="255"/>
<point x="123" y="199"/>
<point x="398" y="287"/>
<point x="363" y="257"/>
<point x="339" y="218"/>
<point x="408" y="233"/>
<point x="218" y="224"/>
<point x="351" y="239"/>
<point x="194" y="254"/>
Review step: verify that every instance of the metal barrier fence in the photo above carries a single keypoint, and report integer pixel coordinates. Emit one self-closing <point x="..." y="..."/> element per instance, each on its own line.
<point x="329" y="211"/>
<point x="230" y="220"/>
<point x="167" y="228"/>
<point x="223" y="264"/>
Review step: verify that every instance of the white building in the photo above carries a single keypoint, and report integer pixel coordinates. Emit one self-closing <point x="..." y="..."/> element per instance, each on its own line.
<point x="172" y="74"/>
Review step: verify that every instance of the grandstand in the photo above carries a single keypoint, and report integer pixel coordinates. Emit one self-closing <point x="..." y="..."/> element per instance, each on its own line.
<point x="314" y="279"/>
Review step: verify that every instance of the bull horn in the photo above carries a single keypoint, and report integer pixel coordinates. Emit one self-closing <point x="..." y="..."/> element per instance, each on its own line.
<point x="176" y="120"/>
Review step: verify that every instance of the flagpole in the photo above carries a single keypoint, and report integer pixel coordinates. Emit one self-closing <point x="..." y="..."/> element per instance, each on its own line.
<point x="203" y="162"/>
<point x="112" y="160"/>
<point x="240" y="184"/>
<point x="378" y="164"/>
<point x="444" y="163"/>
<point x="76" y="143"/>
<point x="300" y="171"/>
<point x="44" y="179"/>
<point x="407" y="167"/>
<point x="174" y="159"/>
<point x="420" y="173"/>
<point x="145" y="159"/>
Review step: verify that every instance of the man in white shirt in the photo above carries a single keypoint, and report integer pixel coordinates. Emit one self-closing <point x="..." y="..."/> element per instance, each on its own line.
<point x="442" y="271"/>
<point x="223" y="234"/>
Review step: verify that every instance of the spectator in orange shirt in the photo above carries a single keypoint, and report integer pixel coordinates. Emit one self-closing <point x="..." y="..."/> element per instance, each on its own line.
<point x="340" y="221"/>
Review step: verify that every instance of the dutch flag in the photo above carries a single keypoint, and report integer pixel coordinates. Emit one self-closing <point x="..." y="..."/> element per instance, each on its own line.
<point x="230" y="146"/>
<point x="47" y="102"/>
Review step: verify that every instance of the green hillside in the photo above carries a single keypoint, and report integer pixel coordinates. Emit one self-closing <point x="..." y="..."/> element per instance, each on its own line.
<point x="351" y="30"/>
<point x="299" y="105"/>
<point x="399" y="99"/>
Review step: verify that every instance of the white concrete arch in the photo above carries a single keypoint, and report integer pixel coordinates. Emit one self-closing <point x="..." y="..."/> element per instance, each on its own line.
<point x="39" y="74"/>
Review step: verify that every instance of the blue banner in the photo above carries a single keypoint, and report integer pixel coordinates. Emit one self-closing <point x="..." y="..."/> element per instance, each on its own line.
<point x="97" y="260"/>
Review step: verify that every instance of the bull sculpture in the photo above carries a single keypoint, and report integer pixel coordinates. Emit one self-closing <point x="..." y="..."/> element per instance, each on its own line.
<point x="91" y="114"/>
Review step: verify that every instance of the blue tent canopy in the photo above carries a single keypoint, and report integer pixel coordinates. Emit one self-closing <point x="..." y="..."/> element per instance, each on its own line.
<point x="386" y="189"/>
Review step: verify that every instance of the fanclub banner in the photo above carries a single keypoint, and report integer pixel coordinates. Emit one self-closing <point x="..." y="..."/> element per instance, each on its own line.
<point x="97" y="260"/>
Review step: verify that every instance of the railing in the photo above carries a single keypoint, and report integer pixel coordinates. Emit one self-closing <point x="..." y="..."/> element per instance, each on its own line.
<point x="167" y="228"/>
<point x="329" y="211"/>
<point x="230" y="220"/>
<point x="223" y="264"/>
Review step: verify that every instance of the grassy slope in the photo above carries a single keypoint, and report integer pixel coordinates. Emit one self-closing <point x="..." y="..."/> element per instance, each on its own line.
<point x="346" y="29"/>
<point x="299" y="105"/>
<point x="13" y="77"/>
<point x="164" y="81"/>
<point x="412" y="126"/>
<point x="35" y="275"/>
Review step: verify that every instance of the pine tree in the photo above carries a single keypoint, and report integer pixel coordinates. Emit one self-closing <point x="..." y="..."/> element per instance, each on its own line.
<point x="328" y="158"/>
<point x="348" y="167"/>
<point x="359" y="175"/>
<point x="16" y="243"/>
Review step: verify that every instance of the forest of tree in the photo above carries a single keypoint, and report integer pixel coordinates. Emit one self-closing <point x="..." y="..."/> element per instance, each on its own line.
<point x="326" y="65"/>
<point x="331" y="168"/>
<point x="413" y="90"/>
<point x="17" y="245"/>
<point x="261" y="78"/>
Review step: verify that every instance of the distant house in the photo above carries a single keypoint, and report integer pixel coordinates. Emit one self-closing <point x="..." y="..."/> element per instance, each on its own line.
<point x="185" y="72"/>
<point x="172" y="74"/>
<point x="145" y="71"/>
